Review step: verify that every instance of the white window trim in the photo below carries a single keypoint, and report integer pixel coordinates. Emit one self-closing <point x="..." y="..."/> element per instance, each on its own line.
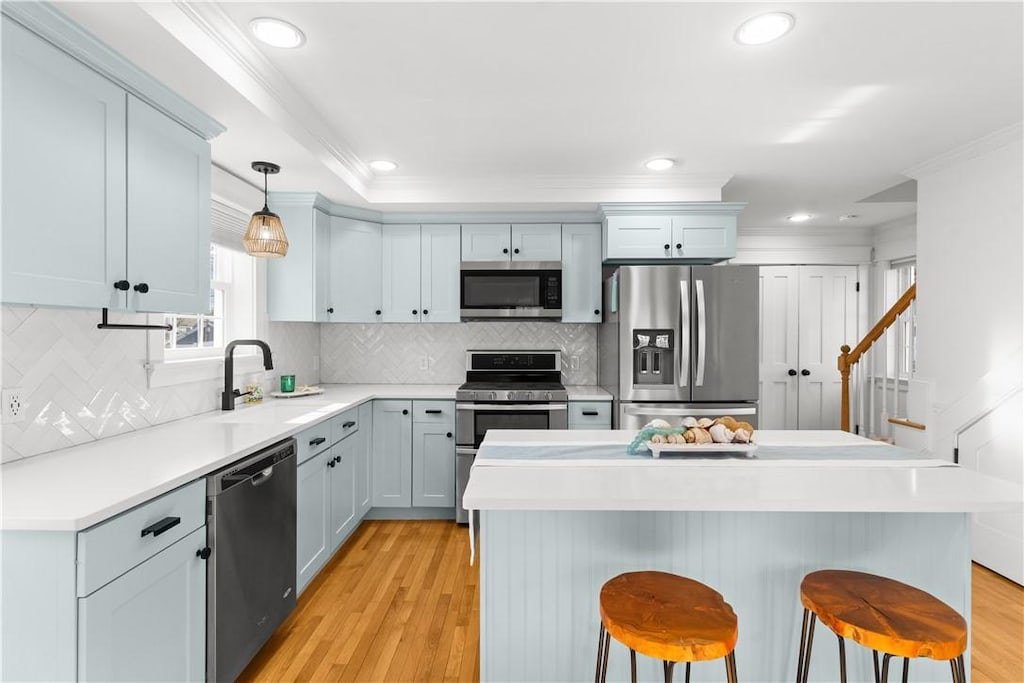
<point x="165" y="373"/>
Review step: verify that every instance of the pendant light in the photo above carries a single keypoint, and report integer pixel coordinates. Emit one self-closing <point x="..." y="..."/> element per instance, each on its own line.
<point x="265" y="236"/>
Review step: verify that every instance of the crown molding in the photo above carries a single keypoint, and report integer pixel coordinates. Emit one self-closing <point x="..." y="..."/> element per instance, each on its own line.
<point x="671" y="208"/>
<point x="857" y="235"/>
<point x="971" y="150"/>
<point x="816" y="256"/>
<point x="54" y="27"/>
<point x="312" y="200"/>
<point x="204" y="29"/>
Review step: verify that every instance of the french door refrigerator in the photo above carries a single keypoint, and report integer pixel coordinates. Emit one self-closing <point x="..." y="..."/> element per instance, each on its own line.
<point x="680" y="341"/>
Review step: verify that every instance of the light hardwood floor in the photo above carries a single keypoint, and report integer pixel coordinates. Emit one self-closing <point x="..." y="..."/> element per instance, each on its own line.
<point x="400" y="603"/>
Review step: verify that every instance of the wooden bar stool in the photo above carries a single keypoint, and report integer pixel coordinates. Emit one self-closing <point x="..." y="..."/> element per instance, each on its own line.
<point x="881" y="614"/>
<point x="667" y="617"/>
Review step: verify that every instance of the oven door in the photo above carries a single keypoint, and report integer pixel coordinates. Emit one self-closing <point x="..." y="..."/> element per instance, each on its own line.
<point x="472" y="420"/>
<point x="495" y="290"/>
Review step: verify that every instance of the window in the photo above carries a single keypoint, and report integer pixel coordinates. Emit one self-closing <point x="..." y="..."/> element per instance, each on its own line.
<point x="902" y="337"/>
<point x="202" y="335"/>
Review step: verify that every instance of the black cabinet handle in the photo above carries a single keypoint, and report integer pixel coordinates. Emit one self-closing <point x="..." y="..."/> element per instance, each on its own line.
<point x="448" y="434"/>
<point x="597" y="311"/>
<point x="122" y="285"/>
<point x="679" y="245"/>
<point x="504" y="251"/>
<point x="667" y="247"/>
<point x="405" y="412"/>
<point x="425" y="311"/>
<point x="590" y="413"/>
<point x="350" y="423"/>
<point x="792" y="372"/>
<point x="331" y="309"/>
<point x="330" y="463"/>
<point x="317" y="441"/>
<point x="805" y="372"/>
<point x="337" y="459"/>
<point x="163" y="525"/>
<point x="377" y="312"/>
<point x="414" y="311"/>
<point x="204" y="553"/>
<point x="516" y="250"/>
<point x="141" y="288"/>
<point x="432" y="411"/>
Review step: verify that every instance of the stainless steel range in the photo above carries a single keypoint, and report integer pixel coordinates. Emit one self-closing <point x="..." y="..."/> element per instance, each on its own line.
<point x="505" y="390"/>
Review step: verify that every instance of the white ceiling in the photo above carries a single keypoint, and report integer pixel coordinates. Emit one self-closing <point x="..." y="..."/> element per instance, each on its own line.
<point x="538" y="105"/>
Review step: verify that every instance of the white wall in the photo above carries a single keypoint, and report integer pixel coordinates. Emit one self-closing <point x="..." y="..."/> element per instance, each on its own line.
<point x="969" y="257"/>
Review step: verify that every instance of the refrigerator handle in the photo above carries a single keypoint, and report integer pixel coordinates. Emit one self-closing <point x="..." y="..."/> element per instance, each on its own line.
<point x="702" y="336"/>
<point x="684" y="332"/>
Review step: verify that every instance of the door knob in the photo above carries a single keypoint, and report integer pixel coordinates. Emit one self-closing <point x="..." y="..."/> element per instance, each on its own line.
<point x="141" y="288"/>
<point x="122" y="285"/>
<point x="805" y="372"/>
<point x="792" y="372"/>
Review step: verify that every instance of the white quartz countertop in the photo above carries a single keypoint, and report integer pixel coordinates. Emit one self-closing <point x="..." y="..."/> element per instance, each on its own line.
<point x="586" y="392"/>
<point x="733" y="485"/>
<point x="74" y="488"/>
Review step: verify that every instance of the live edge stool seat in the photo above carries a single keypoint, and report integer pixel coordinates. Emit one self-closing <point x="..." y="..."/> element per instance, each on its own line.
<point x="884" y="615"/>
<point x="667" y="617"/>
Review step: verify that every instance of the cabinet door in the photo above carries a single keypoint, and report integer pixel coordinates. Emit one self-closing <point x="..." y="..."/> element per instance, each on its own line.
<point x="150" y="623"/>
<point x="168" y="214"/>
<point x="364" y="468"/>
<point x="638" y="237"/>
<point x="486" y="242"/>
<point x="312" y="507"/>
<point x="291" y="282"/>
<point x="323" y="306"/>
<point x="401" y="273"/>
<point x="439" y="285"/>
<point x="63" y="208"/>
<point x="704" y="237"/>
<point x="355" y="271"/>
<point x="392" y="454"/>
<point x="343" y="490"/>
<point x="433" y="465"/>
<point x="581" y="273"/>
<point x="537" y="242"/>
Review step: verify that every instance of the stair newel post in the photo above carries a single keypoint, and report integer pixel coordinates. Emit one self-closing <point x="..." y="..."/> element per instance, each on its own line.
<point x="844" y="373"/>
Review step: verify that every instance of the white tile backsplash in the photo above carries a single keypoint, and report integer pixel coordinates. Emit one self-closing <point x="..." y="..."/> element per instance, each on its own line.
<point x="80" y="384"/>
<point x="436" y="353"/>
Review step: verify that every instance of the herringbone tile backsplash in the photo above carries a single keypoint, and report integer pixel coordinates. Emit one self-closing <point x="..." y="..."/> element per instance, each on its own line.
<point x="80" y="384"/>
<point x="436" y="353"/>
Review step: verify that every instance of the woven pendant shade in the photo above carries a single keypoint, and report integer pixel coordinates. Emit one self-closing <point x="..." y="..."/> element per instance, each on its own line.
<point x="265" y="236"/>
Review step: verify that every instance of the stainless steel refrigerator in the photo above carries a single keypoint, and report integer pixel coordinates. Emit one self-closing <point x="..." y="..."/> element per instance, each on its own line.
<point x="678" y="341"/>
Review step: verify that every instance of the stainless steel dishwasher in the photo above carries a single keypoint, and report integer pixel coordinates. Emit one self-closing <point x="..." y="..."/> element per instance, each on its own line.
<point x="251" y="573"/>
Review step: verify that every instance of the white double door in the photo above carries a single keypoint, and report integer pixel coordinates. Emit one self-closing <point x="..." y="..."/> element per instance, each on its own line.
<point x="807" y="313"/>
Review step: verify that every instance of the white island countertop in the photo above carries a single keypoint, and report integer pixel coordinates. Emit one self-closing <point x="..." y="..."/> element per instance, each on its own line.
<point x="74" y="488"/>
<point x="553" y="470"/>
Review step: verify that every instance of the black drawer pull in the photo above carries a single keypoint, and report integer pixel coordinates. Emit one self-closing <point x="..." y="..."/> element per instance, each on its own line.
<point x="432" y="411"/>
<point x="204" y="553"/>
<point x="350" y="423"/>
<point x="317" y="441"/>
<point x="590" y="413"/>
<point x="161" y="526"/>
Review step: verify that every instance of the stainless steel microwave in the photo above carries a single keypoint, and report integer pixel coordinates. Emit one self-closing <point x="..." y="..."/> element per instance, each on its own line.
<point x="511" y="289"/>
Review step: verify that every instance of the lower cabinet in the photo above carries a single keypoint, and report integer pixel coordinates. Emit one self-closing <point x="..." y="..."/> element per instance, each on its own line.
<point x="150" y="623"/>
<point x="433" y="465"/>
<point x="312" y="515"/>
<point x="342" y="464"/>
<point x="414" y="454"/>
<point x="590" y="414"/>
<point x="364" y="462"/>
<point x="392" y="454"/>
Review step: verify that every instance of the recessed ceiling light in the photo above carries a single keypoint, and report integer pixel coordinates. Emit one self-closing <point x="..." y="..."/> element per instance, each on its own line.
<point x="276" y="33"/>
<point x="382" y="165"/>
<point x="660" y="164"/>
<point x="800" y="217"/>
<point x="764" y="28"/>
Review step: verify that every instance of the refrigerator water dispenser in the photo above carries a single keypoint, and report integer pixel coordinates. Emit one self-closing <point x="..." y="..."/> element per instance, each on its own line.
<point x="653" y="351"/>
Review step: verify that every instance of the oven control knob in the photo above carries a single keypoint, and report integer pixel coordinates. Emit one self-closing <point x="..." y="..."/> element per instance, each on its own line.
<point x="547" y="396"/>
<point x="491" y="396"/>
<point x="526" y="396"/>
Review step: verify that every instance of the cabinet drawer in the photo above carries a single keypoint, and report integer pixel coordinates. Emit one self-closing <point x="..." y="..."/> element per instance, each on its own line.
<point x="311" y="441"/>
<point x="344" y="424"/>
<point x="433" y="412"/>
<point x="590" y="415"/>
<point x="108" y="550"/>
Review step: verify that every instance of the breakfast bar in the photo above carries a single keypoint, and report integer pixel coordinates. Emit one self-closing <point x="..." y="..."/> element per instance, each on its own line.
<point x="562" y="512"/>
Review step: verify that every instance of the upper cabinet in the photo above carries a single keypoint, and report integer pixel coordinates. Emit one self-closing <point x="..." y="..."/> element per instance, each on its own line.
<point x="420" y="271"/>
<point x="581" y="273"/>
<point x="515" y="242"/>
<point x="400" y="271"/>
<point x="355" y="271"/>
<point x="106" y="199"/>
<point x="299" y="285"/>
<point x="697" y="232"/>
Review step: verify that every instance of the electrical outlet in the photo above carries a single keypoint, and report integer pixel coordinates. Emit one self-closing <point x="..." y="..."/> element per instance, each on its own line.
<point x="14" y="409"/>
<point x="574" y="362"/>
<point x="424" y="362"/>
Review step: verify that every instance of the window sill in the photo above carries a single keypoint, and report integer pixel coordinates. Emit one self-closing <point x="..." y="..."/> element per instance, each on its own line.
<point x="171" y="373"/>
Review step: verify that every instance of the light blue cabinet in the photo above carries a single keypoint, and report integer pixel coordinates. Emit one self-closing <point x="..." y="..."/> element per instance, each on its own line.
<point x="581" y="273"/>
<point x="433" y="465"/>
<point x="487" y="242"/>
<point x="439" y="273"/>
<point x="536" y="242"/>
<point x="638" y="237"/>
<point x="704" y="237"/>
<point x="150" y="623"/>
<point x="392" y="454"/>
<point x="313" y="500"/>
<point x="133" y="184"/>
<point x="298" y="285"/>
<point x="364" y="462"/>
<point x="343" y="457"/>
<point x="697" y="232"/>
<point x="400" y="272"/>
<point x="355" y="263"/>
<point x="590" y="414"/>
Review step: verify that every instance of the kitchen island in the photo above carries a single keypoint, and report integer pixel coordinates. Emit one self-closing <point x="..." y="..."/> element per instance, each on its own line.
<point x="562" y="512"/>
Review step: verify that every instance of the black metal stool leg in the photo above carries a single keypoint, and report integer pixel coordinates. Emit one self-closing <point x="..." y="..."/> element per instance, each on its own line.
<point x="604" y="656"/>
<point x="885" y="667"/>
<point x="668" y="671"/>
<point x="687" y="672"/>
<point x="960" y="666"/>
<point x="956" y="671"/>
<point x="730" y="667"/>
<point x="803" y="644"/>
<point x="874" y="656"/>
<point x="600" y="647"/>
<point x="842" y="659"/>
<point x="906" y="668"/>
<point x="632" y="665"/>
<point x="810" y="643"/>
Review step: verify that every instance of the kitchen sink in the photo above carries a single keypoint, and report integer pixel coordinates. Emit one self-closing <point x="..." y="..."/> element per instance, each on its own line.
<point x="289" y="414"/>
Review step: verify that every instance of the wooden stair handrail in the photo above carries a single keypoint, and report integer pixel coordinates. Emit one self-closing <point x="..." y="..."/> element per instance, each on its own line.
<point x="849" y="357"/>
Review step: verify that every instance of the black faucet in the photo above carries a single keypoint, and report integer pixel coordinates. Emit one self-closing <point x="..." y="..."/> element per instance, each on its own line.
<point x="228" y="396"/>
